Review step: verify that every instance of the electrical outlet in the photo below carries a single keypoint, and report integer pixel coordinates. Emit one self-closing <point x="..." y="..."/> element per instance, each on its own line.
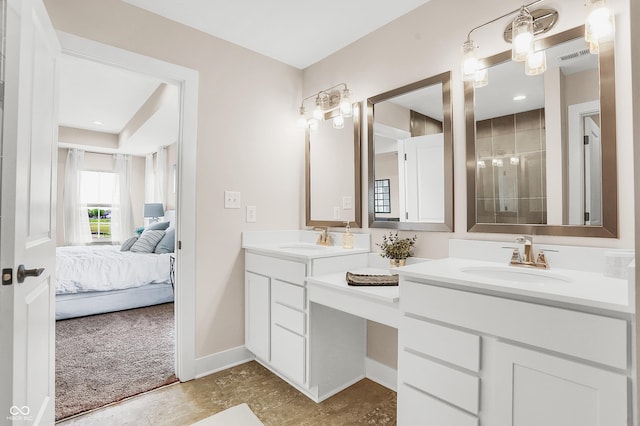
<point x="251" y="214"/>
<point x="347" y="202"/>
<point x="336" y="213"/>
<point x="231" y="200"/>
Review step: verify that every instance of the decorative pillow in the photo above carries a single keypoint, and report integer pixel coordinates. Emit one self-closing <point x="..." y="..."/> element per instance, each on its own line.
<point x="167" y="243"/>
<point x="157" y="226"/>
<point x="128" y="243"/>
<point x="147" y="241"/>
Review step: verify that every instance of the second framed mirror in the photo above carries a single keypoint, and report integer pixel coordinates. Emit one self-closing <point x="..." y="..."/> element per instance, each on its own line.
<point x="411" y="157"/>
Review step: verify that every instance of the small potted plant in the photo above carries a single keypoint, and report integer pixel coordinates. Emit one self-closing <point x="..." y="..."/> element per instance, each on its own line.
<point x="396" y="249"/>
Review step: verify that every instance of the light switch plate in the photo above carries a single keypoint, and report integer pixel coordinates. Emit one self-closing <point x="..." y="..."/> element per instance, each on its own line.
<point x="251" y="214"/>
<point x="347" y="202"/>
<point x="231" y="200"/>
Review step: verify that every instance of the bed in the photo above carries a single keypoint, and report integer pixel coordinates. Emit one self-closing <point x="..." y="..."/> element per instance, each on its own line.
<point x="99" y="279"/>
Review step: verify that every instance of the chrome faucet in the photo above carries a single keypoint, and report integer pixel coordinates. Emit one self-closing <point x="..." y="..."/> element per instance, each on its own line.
<point x="324" y="239"/>
<point x="527" y="259"/>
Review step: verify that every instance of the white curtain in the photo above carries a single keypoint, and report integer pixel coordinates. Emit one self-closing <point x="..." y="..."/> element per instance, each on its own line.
<point x="161" y="177"/>
<point x="149" y="180"/>
<point x="122" y="224"/>
<point x="76" y="218"/>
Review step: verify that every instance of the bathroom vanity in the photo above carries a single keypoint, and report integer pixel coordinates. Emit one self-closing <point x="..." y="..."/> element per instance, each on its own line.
<point x="318" y="351"/>
<point x="481" y="342"/>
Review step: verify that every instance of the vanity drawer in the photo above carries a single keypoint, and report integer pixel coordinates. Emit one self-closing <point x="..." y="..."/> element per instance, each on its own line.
<point x="560" y="330"/>
<point x="286" y="270"/>
<point x="450" y="385"/>
<point x="453" y="346"/>
<point x="288" y="353"/>
<point x="288" y="294"/>
<point x="288" y="318"/>
<point x="415" y="406"/>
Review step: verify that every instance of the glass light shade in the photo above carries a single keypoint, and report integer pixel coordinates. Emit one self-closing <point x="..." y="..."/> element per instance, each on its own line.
<point x="594" y="48"/>
<point x="481" y="78"/>
<point x="318" y="113"/>
<point x="536" y="63"/>
<point x="313" y="124"/>
<point x="302" y="121"/>
<point x="469" y="61"/>
<point x="600" y="22"/>
<point x="338" y="122"/>
<point x="522" y="36"/>
<point x="345" y="103"/>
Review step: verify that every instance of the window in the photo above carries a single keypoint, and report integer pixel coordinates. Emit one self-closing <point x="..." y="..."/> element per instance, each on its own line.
<point x="97" y="193"/>
<point x="382" y="196"/>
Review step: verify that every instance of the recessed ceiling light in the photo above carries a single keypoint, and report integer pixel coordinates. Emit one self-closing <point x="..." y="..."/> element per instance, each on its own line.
<point x="519" y="98"/>
<point x="97" y="122"/>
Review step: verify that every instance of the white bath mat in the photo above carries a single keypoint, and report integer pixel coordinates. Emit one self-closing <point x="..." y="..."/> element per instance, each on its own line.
<point x="240" y="415"/>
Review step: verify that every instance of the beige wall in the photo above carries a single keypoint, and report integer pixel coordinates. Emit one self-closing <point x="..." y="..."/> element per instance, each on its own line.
<point x="387" y="59"/>
<point x="247" y="142"/>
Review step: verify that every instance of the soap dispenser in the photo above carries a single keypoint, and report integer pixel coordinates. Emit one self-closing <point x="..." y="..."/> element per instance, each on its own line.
<point x="347" y="237"/>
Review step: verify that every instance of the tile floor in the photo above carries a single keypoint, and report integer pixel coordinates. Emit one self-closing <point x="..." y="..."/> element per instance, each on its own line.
<point x="273" y="400"/>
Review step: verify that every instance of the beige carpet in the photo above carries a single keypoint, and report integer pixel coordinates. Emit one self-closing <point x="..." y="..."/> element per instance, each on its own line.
<point x="105" y="358"/>
<point x="240" y="415"/>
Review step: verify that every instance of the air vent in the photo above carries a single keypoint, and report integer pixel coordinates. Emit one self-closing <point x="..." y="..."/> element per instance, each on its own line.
<point x="574" y="55"/>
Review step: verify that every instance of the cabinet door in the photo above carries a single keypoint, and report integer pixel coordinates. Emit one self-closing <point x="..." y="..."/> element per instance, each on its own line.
<point x="288" y="353"/>
<point x="257" y="323"/>
<point x="533" y="389"/>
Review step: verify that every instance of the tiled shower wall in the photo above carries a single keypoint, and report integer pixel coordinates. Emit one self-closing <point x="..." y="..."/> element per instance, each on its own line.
<point x="511" y="169"/>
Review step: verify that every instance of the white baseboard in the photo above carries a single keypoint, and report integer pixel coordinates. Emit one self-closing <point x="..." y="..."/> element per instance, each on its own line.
<point x="222" y="360"/>
<point x="381" y="374"/>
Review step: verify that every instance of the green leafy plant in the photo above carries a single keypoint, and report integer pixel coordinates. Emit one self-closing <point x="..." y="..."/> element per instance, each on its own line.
<point x="394" y="247"/>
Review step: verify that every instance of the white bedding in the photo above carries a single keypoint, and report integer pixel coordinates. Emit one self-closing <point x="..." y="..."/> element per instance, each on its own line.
<point x="104" y="268"/>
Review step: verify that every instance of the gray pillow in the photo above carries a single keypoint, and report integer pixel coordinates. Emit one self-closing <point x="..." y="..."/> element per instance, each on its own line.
<point x="167" y="243"/>
<point x="157" y="226"/>
<point x="128" y="243"/>
<point x="147" y="241"/>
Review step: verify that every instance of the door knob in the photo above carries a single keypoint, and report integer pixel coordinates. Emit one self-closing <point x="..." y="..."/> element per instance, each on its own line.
<point x="24" y="273"/>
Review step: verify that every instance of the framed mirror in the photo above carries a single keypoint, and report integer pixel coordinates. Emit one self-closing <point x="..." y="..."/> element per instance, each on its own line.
<point x="333" y="172"/>
<point x="411" y="157"/>
<point x="541" y="149"/>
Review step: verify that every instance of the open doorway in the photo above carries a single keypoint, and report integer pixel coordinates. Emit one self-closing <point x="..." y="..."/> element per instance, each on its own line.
<point x="181" y="177"/>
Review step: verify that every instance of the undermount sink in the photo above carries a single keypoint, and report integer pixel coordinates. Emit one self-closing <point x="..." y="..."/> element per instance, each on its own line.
<point x="516" y="274"/>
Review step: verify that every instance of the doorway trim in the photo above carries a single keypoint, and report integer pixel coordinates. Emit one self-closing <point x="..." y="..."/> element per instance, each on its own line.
<point x="187" y="80"/>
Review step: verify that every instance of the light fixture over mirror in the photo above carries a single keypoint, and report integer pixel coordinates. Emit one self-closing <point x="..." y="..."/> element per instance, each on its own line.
<point x="411" y="157"/>
<point x="528" y="24"/>
<point x="332" y="103"/>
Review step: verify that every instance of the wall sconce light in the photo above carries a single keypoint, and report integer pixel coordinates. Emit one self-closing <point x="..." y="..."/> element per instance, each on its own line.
<point x="330" y="103"/>
<point x="528" y="24"/>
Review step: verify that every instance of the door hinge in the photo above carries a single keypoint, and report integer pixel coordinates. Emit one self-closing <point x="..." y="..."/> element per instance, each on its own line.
<point x="586" y="139"/>
<point x="405" y="157"/>
<point x="406" y="215"/>
<point x="179" y="245"/>
<point x="7" y="276"/>
<point x="587" y="216"/>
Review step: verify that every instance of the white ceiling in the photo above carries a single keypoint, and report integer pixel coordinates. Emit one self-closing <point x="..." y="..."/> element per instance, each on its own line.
<point x="92" y="92"/>
<point x="296" y="32"/>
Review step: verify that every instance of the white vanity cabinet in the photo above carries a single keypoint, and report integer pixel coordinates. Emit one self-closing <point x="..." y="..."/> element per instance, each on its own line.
<point x="278" y="329"/>
<point x="467" y="358"/>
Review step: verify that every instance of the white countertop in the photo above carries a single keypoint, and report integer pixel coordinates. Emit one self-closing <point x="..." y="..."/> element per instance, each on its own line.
<point x="572" y="286"/>
<point x="337" y="281"/>
<point x="302" y="251"/>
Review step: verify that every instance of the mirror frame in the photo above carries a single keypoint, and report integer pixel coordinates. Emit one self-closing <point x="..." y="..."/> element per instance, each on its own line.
<point x="357" y="165"/>
<point x="609" y="228"/>
<point x="447" y="126"/>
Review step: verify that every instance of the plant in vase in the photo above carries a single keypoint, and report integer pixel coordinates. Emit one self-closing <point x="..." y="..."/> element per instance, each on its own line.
<point x="396" y="249"/>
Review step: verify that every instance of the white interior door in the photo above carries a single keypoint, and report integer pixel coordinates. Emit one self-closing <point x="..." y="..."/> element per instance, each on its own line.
<point x="27" y="226"/>
<point x="592" y="173"/>
<point x="424" y="178"/>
